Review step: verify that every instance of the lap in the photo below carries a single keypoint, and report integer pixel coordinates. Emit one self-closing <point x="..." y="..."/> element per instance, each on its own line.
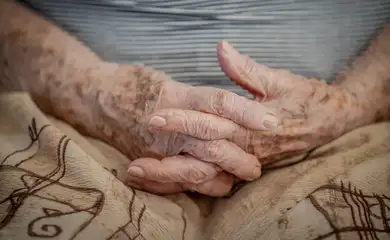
<point x="56" y="183"/>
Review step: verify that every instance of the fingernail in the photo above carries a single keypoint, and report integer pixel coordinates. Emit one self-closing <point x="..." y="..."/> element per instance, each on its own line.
<point x="157" y="121"/>
<point x="136" y="171"/>
<point x="256" y="173"/>
<point x="270" y="122"/>
<point x="226" y="46"/>
<point x="229" y="50"/>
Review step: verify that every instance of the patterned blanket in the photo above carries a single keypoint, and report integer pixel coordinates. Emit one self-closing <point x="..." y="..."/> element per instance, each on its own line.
<point x="58" y="184"/>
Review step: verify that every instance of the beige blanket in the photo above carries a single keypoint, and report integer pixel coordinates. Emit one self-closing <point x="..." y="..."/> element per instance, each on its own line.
<point x="57" y="184"/>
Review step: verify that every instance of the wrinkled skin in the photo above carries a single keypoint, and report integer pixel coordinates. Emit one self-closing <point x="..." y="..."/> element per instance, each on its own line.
<point x="311" y="113"/>
<point x="127" y="95"/>
<point x="112" y="101"/>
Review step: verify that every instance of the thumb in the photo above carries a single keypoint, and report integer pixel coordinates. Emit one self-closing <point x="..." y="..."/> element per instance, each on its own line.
<point x="263" y="82"/>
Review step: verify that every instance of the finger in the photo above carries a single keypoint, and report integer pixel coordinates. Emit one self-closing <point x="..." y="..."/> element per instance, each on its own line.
<point x="196" y="124"/>
<point x="216" y="187"/>
<point x="226" y="155"/>
<point x="153" y="186"/>
<point x="181" y="168"/>
<point x="243" y="111"/>
<point x="199" y="125"/>
<point x="261" y="81"/>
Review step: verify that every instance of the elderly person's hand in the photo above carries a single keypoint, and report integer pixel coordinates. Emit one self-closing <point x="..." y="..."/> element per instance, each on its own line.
<point x="119" y="106"/>
<point x="311" y="113"/>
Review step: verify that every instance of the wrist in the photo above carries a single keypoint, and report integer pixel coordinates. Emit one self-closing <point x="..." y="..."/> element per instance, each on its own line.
<point x="74" y="99"/>
<point x="369" y="103"/>
<point x="368" y="80"/>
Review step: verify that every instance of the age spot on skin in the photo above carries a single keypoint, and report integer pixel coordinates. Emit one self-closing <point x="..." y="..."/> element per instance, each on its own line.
<point x="341" y="101"/>
<point x="325" y="98"/>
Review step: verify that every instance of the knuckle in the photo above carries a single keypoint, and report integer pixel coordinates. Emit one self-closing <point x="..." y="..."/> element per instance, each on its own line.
<point x="249" y="65"/>
<point x="245" y="113"/>
<point x="191" y="98"/>
<point x="203" y="129"/>
<point x="185" y="122"/>
<point x="219" y="102"/>
<point x="214" y="149"/>
<point x="195" y="176"/>
<point x="173" y="144"/>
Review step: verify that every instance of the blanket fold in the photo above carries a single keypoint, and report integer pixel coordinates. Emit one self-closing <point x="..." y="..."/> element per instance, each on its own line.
<point x="57" y="184"/>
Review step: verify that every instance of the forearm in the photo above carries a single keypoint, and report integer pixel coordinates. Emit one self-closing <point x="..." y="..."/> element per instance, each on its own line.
<point x="368" y="80"/>
<point x="40" y="58"/>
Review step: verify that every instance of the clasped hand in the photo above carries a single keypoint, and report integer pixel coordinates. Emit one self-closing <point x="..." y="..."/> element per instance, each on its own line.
<point x="202" y="138"/>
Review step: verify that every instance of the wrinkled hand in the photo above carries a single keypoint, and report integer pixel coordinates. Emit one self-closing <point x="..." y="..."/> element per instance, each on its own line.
<point x="312" y="113"/>
<point x="123" y="102"/>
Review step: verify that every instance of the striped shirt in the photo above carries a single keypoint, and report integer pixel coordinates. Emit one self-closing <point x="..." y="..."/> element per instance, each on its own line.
<point x="313" y="38"/>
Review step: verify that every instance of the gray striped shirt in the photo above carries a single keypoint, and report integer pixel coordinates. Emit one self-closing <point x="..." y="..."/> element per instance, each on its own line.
<point x="313" y="38"/>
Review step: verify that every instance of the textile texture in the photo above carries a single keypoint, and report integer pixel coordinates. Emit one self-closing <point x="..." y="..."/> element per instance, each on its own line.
<point x="179" y="37"/>
<point x="57" y="184"/>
